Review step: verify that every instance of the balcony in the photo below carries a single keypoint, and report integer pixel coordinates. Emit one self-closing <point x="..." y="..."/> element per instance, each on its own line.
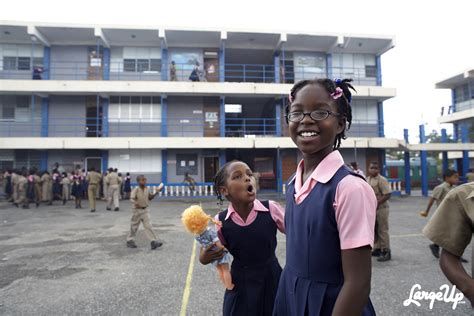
<point x="149" y="70"/>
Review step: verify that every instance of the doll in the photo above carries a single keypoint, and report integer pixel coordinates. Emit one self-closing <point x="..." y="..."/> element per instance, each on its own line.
<point x="196" y="222"/>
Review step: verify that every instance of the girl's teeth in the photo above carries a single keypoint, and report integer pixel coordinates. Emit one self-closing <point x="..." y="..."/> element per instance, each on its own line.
<point x="308" y="134"/>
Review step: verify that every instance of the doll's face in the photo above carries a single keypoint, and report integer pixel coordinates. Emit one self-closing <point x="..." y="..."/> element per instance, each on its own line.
<point x="240" y="183"/>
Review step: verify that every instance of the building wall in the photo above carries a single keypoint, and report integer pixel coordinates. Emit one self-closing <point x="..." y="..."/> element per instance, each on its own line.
<point x="173" y="177"/>
<point x="137" y="161"/>
<point x="69" y="62"/>
<point x="26" y="120"/>
<point x="68" y="159"/>
<point x="67" y="116"/>
<point x="185" y="116"/>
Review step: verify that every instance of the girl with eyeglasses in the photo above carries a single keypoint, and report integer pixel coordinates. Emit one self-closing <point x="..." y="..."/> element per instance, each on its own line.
<point x="330" y="210"/>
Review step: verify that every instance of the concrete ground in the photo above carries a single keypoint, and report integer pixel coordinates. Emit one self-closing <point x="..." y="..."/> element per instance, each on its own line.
<point x="61" y="261"/>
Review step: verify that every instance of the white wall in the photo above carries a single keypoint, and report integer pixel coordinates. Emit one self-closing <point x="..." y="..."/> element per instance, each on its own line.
<point x="136" y="160"/>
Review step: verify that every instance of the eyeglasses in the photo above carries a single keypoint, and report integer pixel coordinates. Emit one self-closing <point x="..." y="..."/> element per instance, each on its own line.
<point x="317" y="115"/>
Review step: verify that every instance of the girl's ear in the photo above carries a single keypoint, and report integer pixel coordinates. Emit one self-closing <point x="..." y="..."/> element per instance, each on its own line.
<point x="223" y="190"/>
<point x="341" y="125"/>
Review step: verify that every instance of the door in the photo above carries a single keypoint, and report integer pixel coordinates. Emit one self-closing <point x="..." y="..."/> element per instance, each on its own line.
<point x="94" y="64"/>
<point x="211" y="165"/>
<point x="93" y="162"/>
<point x="288" y="165"/>
<point x="211" y="66"/>
<point x="93" y="117"/>
<point x="211" y="117"/>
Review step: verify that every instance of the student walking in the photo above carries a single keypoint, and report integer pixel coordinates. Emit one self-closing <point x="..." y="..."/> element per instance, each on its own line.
<point x="113" y="181"/>
<point x="93" y="178"/>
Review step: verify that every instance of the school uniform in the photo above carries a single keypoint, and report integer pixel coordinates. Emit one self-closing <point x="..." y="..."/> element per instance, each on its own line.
<point x="113" y="182"/>
<point x="93" y="179"/>
<point x="255" y="269"/>
<point x="37" y="181"/>
<point x="65" y="182"/>
<point x="333" y="210"/>
<point x="22" y="184"/>
<point x="381" y="187"/>
<point x="46" y="187"/>
<point x="15" y="178"/>
<point x="77" y="189"/>
<point x="140" y="199"/>
<point x="451" y="227"/>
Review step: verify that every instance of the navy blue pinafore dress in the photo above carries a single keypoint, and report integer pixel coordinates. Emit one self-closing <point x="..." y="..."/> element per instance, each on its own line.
<point x="255" y="269"/>
<point x="313" y="277"/>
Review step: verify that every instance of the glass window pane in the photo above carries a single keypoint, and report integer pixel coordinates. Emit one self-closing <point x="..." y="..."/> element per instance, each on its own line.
<point x="129" y="65"/>
<point x="143" y="65"/>
<point x="8" y="112"/>
<point x="114" y="100"/>
<point x="155" y="65"/>
<point x="9" y="63"/>
<point x="124" y="100"/>
<point x="370" y="71"/>
<point x="156" y="100"/>
<point x="135" y="100"/>
<point x="23" y="63"/>
<point x="146" y="100"/>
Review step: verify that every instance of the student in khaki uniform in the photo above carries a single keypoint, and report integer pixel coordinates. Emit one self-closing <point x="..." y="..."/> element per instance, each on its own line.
<point x="65" y="183"/>
<point x="93" y="178"/>
<point x="37" y="182"/>
<point x="451" y="178"/>
<point x="47" y="188"/>
<point x="451" y="227"/>
<point x="383" y="192"/>
<point x="22" y="183"/>
<point x="140" y="198"/>
<point x="15" y="178"/>
<point x="113" y="182"/>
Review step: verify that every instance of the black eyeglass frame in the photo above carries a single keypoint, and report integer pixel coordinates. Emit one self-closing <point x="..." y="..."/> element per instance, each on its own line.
<point x="328" y="113"/>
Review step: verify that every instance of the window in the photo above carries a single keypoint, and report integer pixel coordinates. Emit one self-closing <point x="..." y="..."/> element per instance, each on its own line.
<point x="9" y="63"/>
<point x="186" y="163"/>
<point x="370" y="71"/>
<point x="15" y="108"/>
<point x="129" y="65"/>
<point x="20" y="63"/>
<point x="135" y="109"/>
<point x="8" y="112"/>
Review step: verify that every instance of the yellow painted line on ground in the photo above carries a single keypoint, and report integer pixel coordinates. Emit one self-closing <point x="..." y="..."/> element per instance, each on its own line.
<point x="407" y="235"/>
<point x="189" y="278"/>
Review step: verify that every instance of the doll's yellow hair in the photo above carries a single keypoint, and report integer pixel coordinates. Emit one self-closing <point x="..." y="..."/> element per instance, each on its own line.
<point x="195" y="220"/>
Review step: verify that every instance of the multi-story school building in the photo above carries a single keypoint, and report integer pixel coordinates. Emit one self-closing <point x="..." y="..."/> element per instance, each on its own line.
<point x="461" y="114"/>
<point x="128" y="97"/>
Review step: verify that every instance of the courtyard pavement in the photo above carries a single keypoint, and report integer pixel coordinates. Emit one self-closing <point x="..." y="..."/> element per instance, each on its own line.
<point x="58" y="260"/>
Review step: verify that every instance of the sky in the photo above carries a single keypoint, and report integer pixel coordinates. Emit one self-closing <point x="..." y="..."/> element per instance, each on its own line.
<point x="433" y="38"/>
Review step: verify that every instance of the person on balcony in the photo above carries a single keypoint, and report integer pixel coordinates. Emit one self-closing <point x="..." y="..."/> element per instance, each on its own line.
<point x="173" y="71"/>
<point x="194" y="76"/>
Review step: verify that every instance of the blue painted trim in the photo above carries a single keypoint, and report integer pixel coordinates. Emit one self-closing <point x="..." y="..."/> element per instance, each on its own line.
<point x="44" y="160"/>
<point x="164" y="116"/>
<point x="276" y="63"/>
<point x="456" y="132"/>
<point x="105" y="160"/>
<point x="465" y="153"/>
<point x="453" y="99"/>
<point x="278" y="110"/>
<point x="279" y="174"/>
<point x="329" y="66"/>
<point x="164" y="62"/>
<point x="380" y="119"/>
<point x="106" y="62"/>
<point x="44" y="117"/>
<point x="444" y="139"/>
<point x="222" y="62"/>
<point x="46" y="63"/>
<point x="383" y="159"/>
<point x="378" y="65"/>
<point x="424" y="163"/>
<point x="407" y="165"/>
<point x="164" y="166"/>
<point x="222" y="117"/>
<point x="105" y="117"/>
<point x="222" y="158"/>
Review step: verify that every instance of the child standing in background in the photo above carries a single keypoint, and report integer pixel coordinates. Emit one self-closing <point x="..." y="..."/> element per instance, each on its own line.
<point x="127" y="188"/>
<point x="451" y="178"/>
<point x="330" y="211"/>
<point x="65" y="183"/>
<point x="77" y="190"/>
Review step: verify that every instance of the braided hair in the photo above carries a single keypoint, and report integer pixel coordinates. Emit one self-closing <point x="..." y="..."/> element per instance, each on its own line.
<point x="220" y="179"/>
<point x="343" y="103"/>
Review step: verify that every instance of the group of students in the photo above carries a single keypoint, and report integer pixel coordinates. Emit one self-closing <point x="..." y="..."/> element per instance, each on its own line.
<point x="335" y="220"/>
<point x="24" y="187"/>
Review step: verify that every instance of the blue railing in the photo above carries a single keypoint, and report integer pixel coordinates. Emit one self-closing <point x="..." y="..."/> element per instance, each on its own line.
<point x="152" y="71"/>
<point x="177" y="127"/>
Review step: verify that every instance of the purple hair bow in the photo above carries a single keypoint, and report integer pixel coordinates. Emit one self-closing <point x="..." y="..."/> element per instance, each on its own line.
<point x="337" y="94"/>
